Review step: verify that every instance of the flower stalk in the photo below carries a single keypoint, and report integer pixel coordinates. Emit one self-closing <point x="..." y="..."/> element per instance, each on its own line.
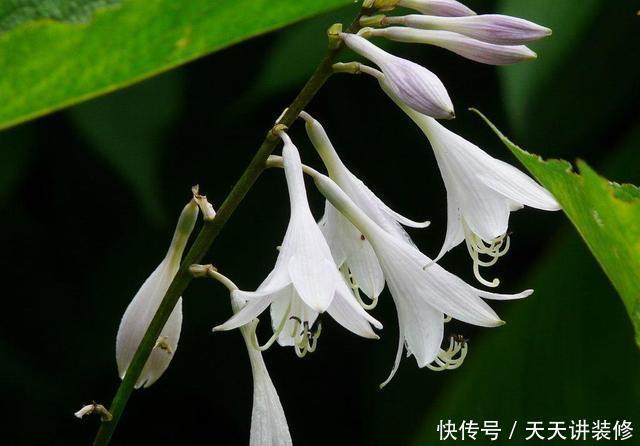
<point x="209" y="232"/>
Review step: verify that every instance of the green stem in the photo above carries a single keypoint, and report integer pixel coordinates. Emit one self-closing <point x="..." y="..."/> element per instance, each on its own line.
<point x="208" y="234"/>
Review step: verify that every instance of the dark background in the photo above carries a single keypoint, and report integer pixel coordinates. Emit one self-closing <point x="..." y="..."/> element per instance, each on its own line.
<point x="89" y="198"/>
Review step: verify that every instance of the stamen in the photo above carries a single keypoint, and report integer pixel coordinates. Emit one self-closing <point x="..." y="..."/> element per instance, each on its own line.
<point x="494" y="250"/>
<point x="274" y="337"/>
<point x="452" y="357"/>
<point x="355" y="289"/>
<point x="306" y="341"/>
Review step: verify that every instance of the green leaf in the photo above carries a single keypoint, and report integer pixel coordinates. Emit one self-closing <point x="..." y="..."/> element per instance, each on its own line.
<point x="60" y="55"/>
<point x="606" y="214"/>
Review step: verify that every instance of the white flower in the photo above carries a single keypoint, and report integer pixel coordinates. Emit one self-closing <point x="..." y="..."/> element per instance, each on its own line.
<point x="144" y="305"/>
<point x="305" y="280"/>
<point x="418" y="87"/>
<point x="462" y="45"/>
<point x="492" y="28"/>
<point x="268" y="423"/>
<point x="481" y="193"/>
<point x="422" y="295"/>
<point x="437" y="7"/>
<point x="348" y="246"/>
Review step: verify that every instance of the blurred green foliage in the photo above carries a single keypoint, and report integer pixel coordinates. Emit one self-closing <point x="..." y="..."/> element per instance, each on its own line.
<point x="130" y="129"/>
<point x="77" y="243"/>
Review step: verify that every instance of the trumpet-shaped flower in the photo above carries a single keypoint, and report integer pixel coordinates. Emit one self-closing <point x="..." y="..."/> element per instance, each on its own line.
<point x="437" y="7"/>
<point x="144" y="305"/>
<point x="418" y="87"/>
<point x="422" y="295"/>
<point x="481" y="193"/>
<point x="460" y="44"/>
<point x="349" y="247"/>
<point x="268" y="423"/>
<point x="492" y="28"/>
<point x="305" y="280"/>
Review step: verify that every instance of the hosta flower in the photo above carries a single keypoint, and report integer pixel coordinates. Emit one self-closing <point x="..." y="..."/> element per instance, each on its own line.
<point x="481" y="193"/>
<point x="418" y="87"/>
<point x="144" y="305"/>
<point x="268" y="422"/>
<point x="437" y="7"/>
<point x="460" y="44"/>
<point x="305" y="280"/>
<point x="492" y="28"/>
<point x="423" y="296"/>
<point x="349" y="247"/>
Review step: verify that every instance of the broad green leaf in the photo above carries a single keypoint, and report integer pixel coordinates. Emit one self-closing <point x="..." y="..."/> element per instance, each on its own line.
<point x="62" y="54"/>
<point x="606" y="214"/>
<point x="16" y="12"/>
<point x="128" y="129"/>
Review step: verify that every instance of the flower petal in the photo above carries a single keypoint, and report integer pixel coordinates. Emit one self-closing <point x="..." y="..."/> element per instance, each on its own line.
<point x="160" y="358"/>
<point x="437" y="7"/>
<point x="346" y="311"/>
<point x="268" y="422"/>
<point x="476" y="50"/>
<point x="519" y="187"/>
<point x="363" y="264"/>
<point x="249" y="312"/>
<point x="499" y="296"/>
<point x="334" y="232"/>
<point x="485" y="212"/>
<point x="492" y="28"/>
<point x="455" y="233"/>
<point x="403" y="268"/>
<point x="313" y="279"/>
<point x="423" y="324"/>
<point x="398" y="358"/>
<point x="290" y="310"/>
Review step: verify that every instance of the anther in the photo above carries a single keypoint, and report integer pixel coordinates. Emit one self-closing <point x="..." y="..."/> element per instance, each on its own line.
<point x="453" y="356"/>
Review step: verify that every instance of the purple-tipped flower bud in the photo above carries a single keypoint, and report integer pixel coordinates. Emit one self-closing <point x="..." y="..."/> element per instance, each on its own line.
<point x="447" y="8"/>
<point x="464" y="46"/>
<point x="491" y="28"/>
<point x="416" y="86"/>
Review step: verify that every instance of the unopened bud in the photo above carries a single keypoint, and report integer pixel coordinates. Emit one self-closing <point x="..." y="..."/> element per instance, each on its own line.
<point x="418" y="87"/>
<point x="145" y="303"/>
<point x="491" y="28"/>
<point x="464" y="46"/>
<point x="449" y="8"/>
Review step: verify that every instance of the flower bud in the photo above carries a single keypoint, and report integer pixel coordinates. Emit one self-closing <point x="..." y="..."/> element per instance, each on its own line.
<point x="418" y="87"/>
<point x="491" y="28"/>
<point x="449" y="8"/>
<point x="464" y="46"/>
<point x="144" y="305"/>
